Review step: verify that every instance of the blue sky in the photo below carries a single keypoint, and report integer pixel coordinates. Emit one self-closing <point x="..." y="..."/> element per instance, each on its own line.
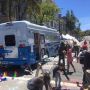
<point x="81" y="9"/>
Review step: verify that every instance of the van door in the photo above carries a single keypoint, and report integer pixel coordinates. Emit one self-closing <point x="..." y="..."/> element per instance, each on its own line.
<point x="37" y="45"/>
<point x="11" y="51"/>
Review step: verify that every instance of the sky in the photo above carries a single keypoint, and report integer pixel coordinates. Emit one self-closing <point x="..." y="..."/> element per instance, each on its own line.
<point x="81" y="9"/>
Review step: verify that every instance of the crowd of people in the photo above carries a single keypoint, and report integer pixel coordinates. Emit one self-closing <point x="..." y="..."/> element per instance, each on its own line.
<point x="65" y="53"/>
<point x="82" y="55"/>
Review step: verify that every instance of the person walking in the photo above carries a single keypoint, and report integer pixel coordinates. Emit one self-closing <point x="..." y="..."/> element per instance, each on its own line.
<point x="85" y="46"/>
<point x="69" y="59"/>
<point x="85" y="42"/>
<point x="76" y="49"/>
<point x="57" y="77"/>
<point x="86" y="68"/>
<point x="61" y="52"/>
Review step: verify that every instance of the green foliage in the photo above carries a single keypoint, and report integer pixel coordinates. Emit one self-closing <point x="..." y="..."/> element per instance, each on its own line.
<point x="33" y="10"/>
<point x="48" y="11"/>
<point x="70" y="21"/>
<point x="73" y="25"/>
<point x="87" y="33"/>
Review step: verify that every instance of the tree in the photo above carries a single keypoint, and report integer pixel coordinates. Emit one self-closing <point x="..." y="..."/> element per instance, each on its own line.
<point x="25" y="7"/>
<point x="87" y="32"/>
<point x="47" y="12"/>
<point x="32" y="10"/>
<point x="17" y="9"/>
<point x="70" y="21"/>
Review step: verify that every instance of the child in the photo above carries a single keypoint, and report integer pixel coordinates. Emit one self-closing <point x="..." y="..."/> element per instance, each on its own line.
<point x="69" y="59"/>
<point x="57" y="75"/>
<point x="37" y="83"/>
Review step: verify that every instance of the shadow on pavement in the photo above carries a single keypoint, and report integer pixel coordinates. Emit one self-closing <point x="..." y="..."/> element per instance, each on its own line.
<point x="70" y="73"/>
<point x="12" y="71"/>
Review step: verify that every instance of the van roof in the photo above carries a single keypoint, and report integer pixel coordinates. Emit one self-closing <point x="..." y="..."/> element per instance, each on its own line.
<point x="28" y="23"/>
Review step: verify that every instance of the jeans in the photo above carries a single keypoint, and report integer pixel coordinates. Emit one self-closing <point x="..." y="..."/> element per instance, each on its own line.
<point x="58" y="81"/>
<point x="62" y="58"/>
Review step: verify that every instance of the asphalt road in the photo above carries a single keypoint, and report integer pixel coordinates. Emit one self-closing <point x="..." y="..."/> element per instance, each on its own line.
<point x="20" y="83"/>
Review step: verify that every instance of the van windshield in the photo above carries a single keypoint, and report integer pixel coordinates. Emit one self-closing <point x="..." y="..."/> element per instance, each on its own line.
<point x="10" y="40"/>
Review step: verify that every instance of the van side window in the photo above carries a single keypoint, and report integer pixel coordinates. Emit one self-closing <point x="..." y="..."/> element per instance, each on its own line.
<point x="10" y="40"/>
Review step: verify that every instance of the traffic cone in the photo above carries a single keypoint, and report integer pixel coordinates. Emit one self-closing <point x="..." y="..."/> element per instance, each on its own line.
<point x="4" y="74"/>
<point x="15" y="75"/>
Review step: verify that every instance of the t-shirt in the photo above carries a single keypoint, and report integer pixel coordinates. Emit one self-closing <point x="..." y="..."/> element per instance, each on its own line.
<point x="84" y="46"/>
<point x="61" y="49"/>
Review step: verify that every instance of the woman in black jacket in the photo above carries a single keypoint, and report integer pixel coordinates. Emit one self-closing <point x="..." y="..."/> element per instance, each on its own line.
<point x="61" y="52"/>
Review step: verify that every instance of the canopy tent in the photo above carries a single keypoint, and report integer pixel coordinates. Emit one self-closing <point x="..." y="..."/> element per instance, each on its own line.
<point x="70" y="38"/>
<point x="75" y="40"/>
<point x="67" y="36"/>
<point x="64" y="36"/>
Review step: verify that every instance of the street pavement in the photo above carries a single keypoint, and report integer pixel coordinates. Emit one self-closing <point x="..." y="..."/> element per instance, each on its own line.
<point x="20" y="83"/>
